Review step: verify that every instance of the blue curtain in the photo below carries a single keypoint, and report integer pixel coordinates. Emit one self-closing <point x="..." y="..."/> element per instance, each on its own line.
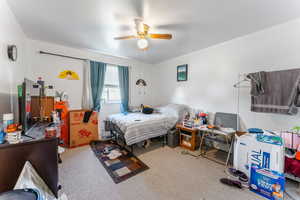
<point x="124" y="87"/>
<point x="98" y="70"/>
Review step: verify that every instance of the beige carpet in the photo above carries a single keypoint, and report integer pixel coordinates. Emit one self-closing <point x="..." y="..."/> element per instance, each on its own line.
<point x="172" y="176"/>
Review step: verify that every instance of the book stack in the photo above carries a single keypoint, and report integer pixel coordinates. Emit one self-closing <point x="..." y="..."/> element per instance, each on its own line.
<point x="14" y="137"/>
<point x="188" y="123"/>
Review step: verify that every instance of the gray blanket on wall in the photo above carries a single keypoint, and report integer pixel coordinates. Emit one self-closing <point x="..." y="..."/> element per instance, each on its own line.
<point x="281" y="90"/>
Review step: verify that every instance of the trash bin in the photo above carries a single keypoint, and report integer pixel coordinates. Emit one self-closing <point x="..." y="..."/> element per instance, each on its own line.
<point x="173" y="138"/>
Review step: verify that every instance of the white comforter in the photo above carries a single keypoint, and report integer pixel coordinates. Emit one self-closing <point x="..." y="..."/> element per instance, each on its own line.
<point x="138" y="127"/>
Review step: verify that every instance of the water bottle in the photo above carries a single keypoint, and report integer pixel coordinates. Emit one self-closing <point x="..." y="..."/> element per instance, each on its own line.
<point x="2" y="134"/>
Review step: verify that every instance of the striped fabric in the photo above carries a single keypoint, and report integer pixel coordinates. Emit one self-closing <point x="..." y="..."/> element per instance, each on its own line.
<point x="138" y="127"/>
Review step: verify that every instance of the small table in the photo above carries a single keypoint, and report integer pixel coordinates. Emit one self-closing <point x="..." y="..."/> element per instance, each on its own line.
<point x="229" y="139"/>
<point x="188" y="137"/>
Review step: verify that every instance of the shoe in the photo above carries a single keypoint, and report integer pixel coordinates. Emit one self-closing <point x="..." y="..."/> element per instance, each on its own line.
<point x="232" y="183"/>
<point x="237" y="174"/>
<point x="147" y="143"/>
<point x="290" y="153"/>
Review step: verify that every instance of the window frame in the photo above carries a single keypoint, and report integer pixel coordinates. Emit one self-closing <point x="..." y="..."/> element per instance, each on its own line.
<point x="108" y="86"/>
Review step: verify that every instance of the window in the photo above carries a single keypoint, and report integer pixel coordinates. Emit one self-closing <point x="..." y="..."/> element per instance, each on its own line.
<point x="111" y="90"/>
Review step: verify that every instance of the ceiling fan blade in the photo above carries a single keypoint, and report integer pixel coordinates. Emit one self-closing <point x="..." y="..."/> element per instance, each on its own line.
<point x="160" y="36"/>
<point x="125" y="37"/>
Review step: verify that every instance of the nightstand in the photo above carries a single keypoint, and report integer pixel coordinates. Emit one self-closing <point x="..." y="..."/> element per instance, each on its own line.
<point x="188" y="137"/>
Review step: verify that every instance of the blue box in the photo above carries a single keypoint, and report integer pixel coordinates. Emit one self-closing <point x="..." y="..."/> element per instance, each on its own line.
<point x="267" y="183"/>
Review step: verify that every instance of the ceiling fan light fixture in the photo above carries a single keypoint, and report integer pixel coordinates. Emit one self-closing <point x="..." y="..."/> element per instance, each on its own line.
<point x="142" y="44"/>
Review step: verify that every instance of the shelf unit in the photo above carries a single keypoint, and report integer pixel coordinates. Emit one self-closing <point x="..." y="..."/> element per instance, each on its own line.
<point x="188" y="137"/>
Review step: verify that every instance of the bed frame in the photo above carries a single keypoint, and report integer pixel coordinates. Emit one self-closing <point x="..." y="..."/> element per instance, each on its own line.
<point x="118" y="135"/>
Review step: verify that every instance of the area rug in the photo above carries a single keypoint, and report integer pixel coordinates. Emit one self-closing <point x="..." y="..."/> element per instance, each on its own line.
<point x="121" y="168"/>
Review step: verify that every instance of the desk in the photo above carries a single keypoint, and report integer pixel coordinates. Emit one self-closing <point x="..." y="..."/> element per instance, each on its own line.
<point x="207" y="134"/>
<point x="40" y="152"/>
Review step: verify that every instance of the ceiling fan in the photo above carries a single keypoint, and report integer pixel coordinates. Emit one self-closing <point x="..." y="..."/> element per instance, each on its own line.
<point x="143" y="34"/>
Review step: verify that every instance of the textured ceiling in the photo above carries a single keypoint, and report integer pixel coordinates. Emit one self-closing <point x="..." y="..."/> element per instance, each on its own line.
<point x="195" y="24"/>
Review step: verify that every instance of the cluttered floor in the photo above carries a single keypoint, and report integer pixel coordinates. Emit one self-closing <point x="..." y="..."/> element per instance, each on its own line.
<point x="172" y="175"/>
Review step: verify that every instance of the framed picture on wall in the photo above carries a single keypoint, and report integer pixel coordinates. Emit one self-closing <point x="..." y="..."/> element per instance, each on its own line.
<point x="182" y="72"/>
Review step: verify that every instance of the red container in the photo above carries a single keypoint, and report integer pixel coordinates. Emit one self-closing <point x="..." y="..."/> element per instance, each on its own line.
<point x="50" y="132"/>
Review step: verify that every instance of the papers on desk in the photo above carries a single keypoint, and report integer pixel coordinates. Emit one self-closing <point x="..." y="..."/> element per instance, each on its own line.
<point x="227" y="130"/>
<point x="217" y="131"/>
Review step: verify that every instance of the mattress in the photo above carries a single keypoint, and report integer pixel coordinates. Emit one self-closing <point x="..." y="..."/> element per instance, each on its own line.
<point x="138" y="127"/>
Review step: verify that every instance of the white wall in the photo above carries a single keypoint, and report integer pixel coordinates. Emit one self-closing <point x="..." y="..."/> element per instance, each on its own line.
<point x="213" y="71"/>
<point x="11" y="73"/>
<point x="48" y="67"/>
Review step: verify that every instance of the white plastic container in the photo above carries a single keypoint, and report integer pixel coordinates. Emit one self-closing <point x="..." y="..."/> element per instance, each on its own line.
<point x="248" y="150"/>
<point x="8" y="119"/>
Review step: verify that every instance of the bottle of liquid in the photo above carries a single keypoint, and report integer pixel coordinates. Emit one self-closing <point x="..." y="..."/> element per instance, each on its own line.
<point x="2" y="134"/>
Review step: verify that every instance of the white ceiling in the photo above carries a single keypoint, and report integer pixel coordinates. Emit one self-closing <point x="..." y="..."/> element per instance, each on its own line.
<point x="195" y="24"/>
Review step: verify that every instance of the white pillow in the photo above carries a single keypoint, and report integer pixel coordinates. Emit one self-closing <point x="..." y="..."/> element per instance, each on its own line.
<point x="177" y="110"/>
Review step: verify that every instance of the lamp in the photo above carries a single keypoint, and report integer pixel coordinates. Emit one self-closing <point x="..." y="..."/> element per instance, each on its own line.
<point x="142" y="44"/>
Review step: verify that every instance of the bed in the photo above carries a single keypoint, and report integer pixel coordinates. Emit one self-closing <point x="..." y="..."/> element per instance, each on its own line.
<point x="133" y="128"/>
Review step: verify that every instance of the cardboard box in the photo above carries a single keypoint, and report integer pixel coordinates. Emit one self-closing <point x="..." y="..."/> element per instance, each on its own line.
<point x="82" y="133"/>
<point x="248" y="150"/>
<point x="267" y="183"/>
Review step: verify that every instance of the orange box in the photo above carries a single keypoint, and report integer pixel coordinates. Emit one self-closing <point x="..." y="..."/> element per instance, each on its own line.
<point x="82" y="133"/>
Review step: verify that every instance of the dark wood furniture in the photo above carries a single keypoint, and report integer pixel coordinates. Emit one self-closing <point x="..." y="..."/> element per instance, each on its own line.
<point x="40" y="152"/>
<point x="188" y="137"/>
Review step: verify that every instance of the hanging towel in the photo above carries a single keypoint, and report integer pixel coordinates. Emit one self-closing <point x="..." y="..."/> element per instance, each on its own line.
<point x="258" y="81"/>
<point x="280" y="93"/>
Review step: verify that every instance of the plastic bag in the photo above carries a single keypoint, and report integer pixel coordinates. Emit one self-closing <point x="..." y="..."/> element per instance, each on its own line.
<point x="29" y="178"/>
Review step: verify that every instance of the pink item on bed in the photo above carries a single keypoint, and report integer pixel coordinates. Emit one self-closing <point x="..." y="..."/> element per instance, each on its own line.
<point x="291" y="140"/>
